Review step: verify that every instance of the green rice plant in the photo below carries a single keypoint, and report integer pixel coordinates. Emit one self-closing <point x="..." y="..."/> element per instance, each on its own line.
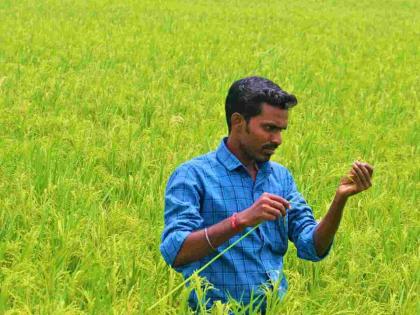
<point x="100" y="101"/>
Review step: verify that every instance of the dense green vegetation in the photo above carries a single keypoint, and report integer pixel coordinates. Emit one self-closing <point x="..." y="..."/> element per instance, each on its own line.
<point x="101" y="100"/>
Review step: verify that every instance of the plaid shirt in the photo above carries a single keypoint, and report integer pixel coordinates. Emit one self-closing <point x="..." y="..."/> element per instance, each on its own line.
<point x="210" y="188"/>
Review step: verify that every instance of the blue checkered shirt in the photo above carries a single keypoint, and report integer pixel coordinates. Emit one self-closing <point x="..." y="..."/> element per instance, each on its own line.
<point x="210" y="188"/>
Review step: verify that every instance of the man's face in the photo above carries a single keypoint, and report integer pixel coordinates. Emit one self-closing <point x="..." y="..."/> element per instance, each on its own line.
<point x="263" y="133"/>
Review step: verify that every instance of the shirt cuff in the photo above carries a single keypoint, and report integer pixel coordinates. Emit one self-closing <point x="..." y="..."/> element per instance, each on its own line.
<point x="308" y="250"/>
<point x="172" y="244"/>
<point x="327" y="252"/>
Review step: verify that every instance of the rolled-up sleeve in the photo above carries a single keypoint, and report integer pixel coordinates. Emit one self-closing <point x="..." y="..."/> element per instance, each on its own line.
<point x="182" y="211"/>
<point x="302" y="224"/>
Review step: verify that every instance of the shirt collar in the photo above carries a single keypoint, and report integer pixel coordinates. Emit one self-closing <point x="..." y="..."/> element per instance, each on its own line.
<point x="231" y="162"/>
<point x="226" y="157"/>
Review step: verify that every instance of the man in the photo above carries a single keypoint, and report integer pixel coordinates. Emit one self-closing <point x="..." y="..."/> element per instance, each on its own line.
<point x="212" y="200"/>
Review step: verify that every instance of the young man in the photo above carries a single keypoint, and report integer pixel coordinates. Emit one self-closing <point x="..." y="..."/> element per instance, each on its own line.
<point x="212" y="200"/>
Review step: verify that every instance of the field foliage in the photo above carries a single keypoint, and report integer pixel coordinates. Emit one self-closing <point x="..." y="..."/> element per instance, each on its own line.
<point x="101" y="100"/>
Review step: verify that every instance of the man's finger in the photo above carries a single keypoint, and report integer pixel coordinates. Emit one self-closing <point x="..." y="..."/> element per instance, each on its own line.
<point x="269" y="217"/>
<point x="366" y="173"/>
<point x="279" y="199"/>
<point x="369" y="168"/>
<point x="359" y="174"/>
<point x="273" y="211"/>
<point x="355" y="177"/>
<point x="279" y="206"/>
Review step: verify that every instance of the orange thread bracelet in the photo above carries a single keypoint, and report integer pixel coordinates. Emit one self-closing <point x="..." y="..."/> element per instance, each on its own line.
<point x="234" y="222"/>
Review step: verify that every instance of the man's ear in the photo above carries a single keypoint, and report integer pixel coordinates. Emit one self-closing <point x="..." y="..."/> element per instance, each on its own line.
<point x="237" y="121"/>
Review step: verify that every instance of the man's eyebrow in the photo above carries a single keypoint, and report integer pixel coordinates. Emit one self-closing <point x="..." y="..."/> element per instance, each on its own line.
<point x="271" y="124"/>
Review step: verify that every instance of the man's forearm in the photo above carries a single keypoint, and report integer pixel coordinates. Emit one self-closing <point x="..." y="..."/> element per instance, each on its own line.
<point x="196" y="245"/>
<point x="326" y="229"/>
<point x="357" y="180"/>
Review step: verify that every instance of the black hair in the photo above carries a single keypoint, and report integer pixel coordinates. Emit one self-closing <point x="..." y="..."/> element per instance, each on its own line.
<point x="246" y="96"/>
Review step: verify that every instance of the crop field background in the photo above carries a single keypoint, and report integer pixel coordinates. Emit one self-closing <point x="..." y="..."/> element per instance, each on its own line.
<point x="101" y="100"/>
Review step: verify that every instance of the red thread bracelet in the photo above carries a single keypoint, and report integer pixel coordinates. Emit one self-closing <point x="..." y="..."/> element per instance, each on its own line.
<point x="234" y="222"/>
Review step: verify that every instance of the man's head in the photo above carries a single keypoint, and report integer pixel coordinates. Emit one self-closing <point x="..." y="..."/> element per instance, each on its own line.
<point x="256" y="113"/>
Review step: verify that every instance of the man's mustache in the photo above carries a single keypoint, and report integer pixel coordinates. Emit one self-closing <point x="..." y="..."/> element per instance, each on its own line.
<point x="270" y="146"/>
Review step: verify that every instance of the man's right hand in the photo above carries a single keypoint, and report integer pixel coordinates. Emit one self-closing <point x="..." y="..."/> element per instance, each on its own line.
<point x="268" y="207"/>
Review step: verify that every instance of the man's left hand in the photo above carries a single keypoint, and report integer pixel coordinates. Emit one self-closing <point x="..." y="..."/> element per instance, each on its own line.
<point x="358" y="179"/>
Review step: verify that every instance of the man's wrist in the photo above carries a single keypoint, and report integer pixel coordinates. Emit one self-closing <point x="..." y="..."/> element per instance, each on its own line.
<point x="240" y="221"/>
<point x="340" y="196"/>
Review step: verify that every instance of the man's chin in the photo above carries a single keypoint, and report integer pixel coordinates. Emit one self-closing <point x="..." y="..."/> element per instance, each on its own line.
<point x="263" y="158"/>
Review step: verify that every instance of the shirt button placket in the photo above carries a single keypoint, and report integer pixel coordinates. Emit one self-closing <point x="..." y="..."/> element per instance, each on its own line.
<point x="257" y="192"/>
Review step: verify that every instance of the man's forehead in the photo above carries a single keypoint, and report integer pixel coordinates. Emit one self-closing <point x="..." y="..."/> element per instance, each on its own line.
<point x="273" y="114"/>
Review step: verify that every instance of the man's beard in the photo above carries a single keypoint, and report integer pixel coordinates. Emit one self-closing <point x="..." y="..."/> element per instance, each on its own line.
<point x="251" y="156"/>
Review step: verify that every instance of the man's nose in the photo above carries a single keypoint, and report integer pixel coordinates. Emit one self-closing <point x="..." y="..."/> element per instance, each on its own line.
<point x="276" y="138"/>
